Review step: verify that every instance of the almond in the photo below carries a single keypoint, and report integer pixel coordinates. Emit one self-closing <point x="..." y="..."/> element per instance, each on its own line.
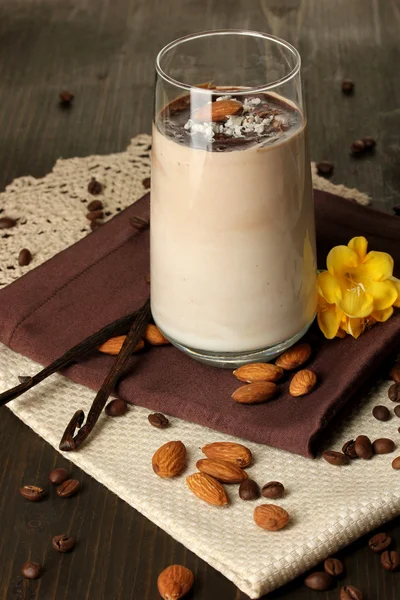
<point x="229" y="452"/>
<point x="294" y="357"/>
<point x="169" y="460"/>
<point x="255" y="393"/>
<point x="217" y="111"/>
<point x="207" y="488"/>
<point x="174" y="582"/>
<point x="259" y="372"/>
<point x="270" y="517"/>
<point x="154" y="336"/>
<point x="303" y="383"/>
<point x="114" y="345"/>
<point x="222" y="471"/>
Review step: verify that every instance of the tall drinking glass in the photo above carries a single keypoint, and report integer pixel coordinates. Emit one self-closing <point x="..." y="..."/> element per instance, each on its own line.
<point x="233" y="270"/>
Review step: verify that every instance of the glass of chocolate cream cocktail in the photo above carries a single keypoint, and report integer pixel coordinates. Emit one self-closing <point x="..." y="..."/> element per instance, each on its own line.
<point x="233" y="268"/>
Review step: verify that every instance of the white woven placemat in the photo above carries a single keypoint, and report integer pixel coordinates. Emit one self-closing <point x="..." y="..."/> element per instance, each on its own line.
<point x="329" y="506"/>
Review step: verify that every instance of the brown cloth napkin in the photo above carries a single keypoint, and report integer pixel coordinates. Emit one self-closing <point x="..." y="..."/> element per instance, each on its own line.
<point x="102" y="277"/>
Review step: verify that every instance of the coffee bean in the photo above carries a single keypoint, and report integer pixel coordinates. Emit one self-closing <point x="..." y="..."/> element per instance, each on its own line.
<point x="390" y="560"/>
<point x="335" y="458"/>
<point x="357" y="147"/>
<point x="7" y="223"/>
<point x="32" y="493"/>
<point x="249" y="490"/>
<point x="146" y="182"/>
<point x="158" y="420"/>
<point x="94" y="187"/>
<point x="31" y="570"/>
<point x="95" y="225"/>
<point x="394" y="392"/>
<point x="349" y="592"/>
<point x="397" y="410"/>
<point x="383" y="446"/>
<point x="68" y="488"/>
<point x="334" y="567"/>
<point x="23" y="378"/>
<point x="363" y="447"/>
<point x="58" y="476"/>
<point x="95" y="205"/>
<point x="139" y="223"/>
<point x="24" y="257"/>
<point x="348" y="449"/>
<point x="379" y="542"/>
<point x="347" y="86"/>
<point x="94" y="215"/>
<point x="116" y="408"/>
<point x="273" y="489"/>
<point x="319" y="581"/>
<point x="324" y="168"/>
<point x="396" y="209"/>
<point x="66" y="97"/>
<point x="381" y="413"/>
<point x="396" y="461"/>
<point x="63" y="543"/>
<point x="395" y="373"/>
<point x="369" y="143"/>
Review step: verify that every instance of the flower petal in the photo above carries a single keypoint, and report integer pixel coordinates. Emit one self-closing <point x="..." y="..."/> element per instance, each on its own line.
<point x="355" y="302"/>
<point x="340" y="259"/>
<point x="383" y="292"/>
<point x="359" y="245"/>
<point x="382" y="315"/>
<point x="355" y="327"/>
<point x="328" y="287"/>
<point x="396" y="283"/>
<point x="377" y="266"/>
<point x="329" y="317"/>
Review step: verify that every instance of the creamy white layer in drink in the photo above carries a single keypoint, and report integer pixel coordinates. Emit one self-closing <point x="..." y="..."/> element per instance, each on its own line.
<point x="232" y="227"/>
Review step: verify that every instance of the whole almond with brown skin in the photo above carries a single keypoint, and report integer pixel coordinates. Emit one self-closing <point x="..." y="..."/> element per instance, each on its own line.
<point x="303" y="383"/>
<point x="221" y="470"/>
<point x="174" y="582"/>
<point x="259" y="372"/>
<point x="169" y="460"/>
<point x="217" y="111"/>
<point x="255" y="393"/>
<point x="114" y="345"/>
<point x="154" y="336"/>
<point x="207" y="488"/>
<point x="294" y="357"/>
<point x="271" y="517"/>
<point x="230" y="452"/>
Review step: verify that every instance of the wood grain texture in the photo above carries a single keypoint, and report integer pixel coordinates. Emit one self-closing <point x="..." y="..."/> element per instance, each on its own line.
<point x="104" y="51"/>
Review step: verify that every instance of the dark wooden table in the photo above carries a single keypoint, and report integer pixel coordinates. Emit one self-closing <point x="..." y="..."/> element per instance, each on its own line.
<point x="103" y="51"/>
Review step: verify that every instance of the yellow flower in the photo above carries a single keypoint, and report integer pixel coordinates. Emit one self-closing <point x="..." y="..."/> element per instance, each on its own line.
<point x="357" y="290"/>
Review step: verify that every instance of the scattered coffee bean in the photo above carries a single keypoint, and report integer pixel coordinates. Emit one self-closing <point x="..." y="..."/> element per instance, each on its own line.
<point x="349" y="592"/>
<point x="66" y="98"/>
<point x="116" y="408"/>
<point x="63" y="543"/>
<point x="23" y="378"/>
<point x="394" y="392"/>
<point x="147" y="278"/>
<point x="273" y="489"/>
<point x="390" y="560"/>
<point x="68" y="488"/>
<point x="94" y="187"/>
<point x="334" y="567"/>
<point x="146" y="182"/>
<point x="95" y="205"/>
<point x="396" y="209"/>
<point x="319" y="581"/>
<point x="383" y="446"/>
<point x="95" y="214"/>
<point x="58" y="476"/>
<point x="95" y="225"/>
<point x="7" y="223"/>
<point x="363" y="447"/>
<point x="32" y="493"/>
<point x="395" y="373"/>
<point x="369" y="143"/>
<point x="396" y="461"/>
<point x="348" y="449"/>
<point x="381" y="413"/>
<point x="139" y="223"/>
<point x="397" y="410"/>
<point x="324" y="168"/>
<point x="357" y="147"/>
<point x="249" y="490"/>
<point x="347" y="86"/>
<point x="335" y="458"/>
<point x="379" y="542"/>
<point x="31" y="570"/>
<point x="24" y="257"/>
<point x="158" y="420"/>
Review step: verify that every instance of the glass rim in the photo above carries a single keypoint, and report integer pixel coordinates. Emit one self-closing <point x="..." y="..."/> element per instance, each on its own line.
<point x="245" y="32"/>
